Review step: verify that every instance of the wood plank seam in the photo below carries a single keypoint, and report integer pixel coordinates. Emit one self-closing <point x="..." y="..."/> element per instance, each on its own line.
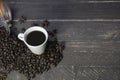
<point x="75" y="20"/>
<point x="13" y="2"/>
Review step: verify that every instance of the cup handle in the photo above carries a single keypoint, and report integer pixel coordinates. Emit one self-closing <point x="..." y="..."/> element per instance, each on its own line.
<point x="21" y="36"/>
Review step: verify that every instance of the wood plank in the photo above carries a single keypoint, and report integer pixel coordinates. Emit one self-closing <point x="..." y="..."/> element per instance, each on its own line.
<point x="97" y="73"/>
<point x="59" y="1"/>
<point x="66" y="10"/>
<point x="63" y="72"/>
<point x="80" y="73"/>
<point x="91" y="54"/>
<point x="94" y="48"/>
<point x="85" y="31"/>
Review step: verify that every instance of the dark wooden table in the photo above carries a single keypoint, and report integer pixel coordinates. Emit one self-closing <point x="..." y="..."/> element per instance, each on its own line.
<point x="91" y="30"/>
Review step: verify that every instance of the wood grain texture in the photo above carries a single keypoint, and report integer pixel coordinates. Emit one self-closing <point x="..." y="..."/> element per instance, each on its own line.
<point x="60" y="73"/>
<point x="82" y="31"/>
<point x="66" y="10"/>
<point x="91" y="54"/>
<point x="97" y="73"/>
<point x="80" y="73"/>
<point x="90" y="29"/>
<point x="60" y="1"/>
<point x="87" y="43"/>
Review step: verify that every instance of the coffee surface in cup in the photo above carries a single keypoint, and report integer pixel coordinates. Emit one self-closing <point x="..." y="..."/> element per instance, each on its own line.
<point x="35" y="38"/>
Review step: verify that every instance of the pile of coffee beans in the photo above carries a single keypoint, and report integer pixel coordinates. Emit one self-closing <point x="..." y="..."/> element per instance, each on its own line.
<point x="14" y="55"/>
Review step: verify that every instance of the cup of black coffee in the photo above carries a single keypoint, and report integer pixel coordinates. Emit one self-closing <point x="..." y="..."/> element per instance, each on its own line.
<point x="35" y="38"/>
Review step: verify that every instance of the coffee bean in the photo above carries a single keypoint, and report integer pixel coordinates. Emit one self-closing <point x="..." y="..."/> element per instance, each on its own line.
<point x="45" y="23"/>
<point x="16" y="56"/>
<point x="34" y="24"/>
<point x="22" y="19"/>
<point x="23" y="30"/>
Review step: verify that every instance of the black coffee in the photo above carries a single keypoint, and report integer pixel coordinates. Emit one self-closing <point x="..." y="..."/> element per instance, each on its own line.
<point x="35" y="38"/>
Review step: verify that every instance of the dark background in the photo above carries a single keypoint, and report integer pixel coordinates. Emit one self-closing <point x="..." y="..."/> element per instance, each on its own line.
<point x="90" y="29"/>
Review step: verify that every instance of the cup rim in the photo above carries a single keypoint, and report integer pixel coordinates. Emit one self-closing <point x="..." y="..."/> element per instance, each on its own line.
<point x="45" y="33"/>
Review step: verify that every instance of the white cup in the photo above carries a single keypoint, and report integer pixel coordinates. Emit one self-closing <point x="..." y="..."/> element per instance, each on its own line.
<point x="39" y="49"/>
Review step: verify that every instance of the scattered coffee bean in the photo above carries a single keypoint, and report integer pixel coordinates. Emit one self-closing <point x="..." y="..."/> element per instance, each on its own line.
<point x="23" y="29"/>
<point x="22" y="19"/>
<point x="35" y="24"/>
<point x="14" y="55"/>
<point x="45" y="23"/>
